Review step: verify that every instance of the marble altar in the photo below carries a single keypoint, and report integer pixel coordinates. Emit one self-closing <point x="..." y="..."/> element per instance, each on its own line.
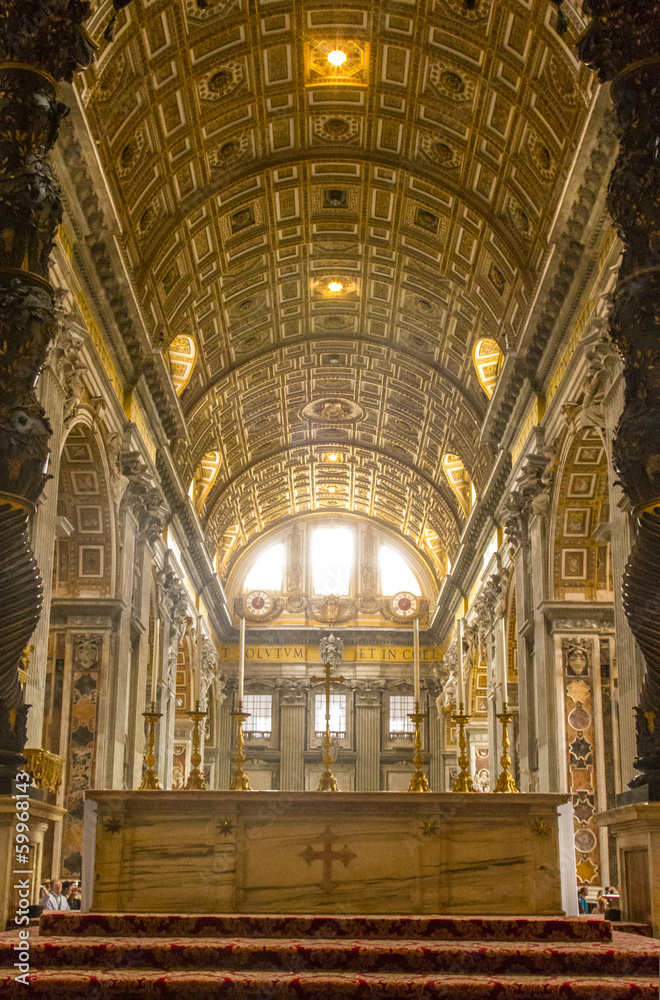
<point x="344" y="852"/>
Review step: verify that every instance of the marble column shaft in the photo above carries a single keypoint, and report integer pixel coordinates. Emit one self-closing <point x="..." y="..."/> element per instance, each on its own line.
<point x="293" y="710"/>
<point x="113" y="715"/>
<point x="545" y="703"/>
<point x="225" y="731"/>
<point x="435" y="742"/>
<point x="368" y="714"/>
<point x="526" y="690"/>
<point x="139" y="681"/>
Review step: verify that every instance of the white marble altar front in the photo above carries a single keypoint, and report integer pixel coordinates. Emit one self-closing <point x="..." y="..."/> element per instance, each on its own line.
<point x="310" y="852"/>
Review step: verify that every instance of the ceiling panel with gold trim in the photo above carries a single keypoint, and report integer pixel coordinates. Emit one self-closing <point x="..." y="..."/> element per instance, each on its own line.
<point x="336" y="201"/>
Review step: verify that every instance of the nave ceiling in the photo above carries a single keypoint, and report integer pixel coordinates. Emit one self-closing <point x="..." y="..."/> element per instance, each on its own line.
<point x="252" y="177"/>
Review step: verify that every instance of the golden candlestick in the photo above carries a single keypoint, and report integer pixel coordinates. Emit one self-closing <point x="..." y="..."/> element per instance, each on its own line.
<point x="196" y="778"/>
<point x="150" y="779"/>
<point x="419" y="781"/>
<point x="240" y="781"/>
<point x="327" y="781"/>
<point x="464" y="781"/>
<point x="506" y="782"/>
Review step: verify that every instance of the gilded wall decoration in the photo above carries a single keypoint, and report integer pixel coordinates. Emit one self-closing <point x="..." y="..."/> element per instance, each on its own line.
<point x="581" y="563"/>
<point x="87" y="650"/>
<point x="578" y="687"/>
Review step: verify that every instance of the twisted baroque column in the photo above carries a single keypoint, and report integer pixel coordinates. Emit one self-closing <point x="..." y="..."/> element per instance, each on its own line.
<point x="41" y="42"/>
<point x="623" y="44"/>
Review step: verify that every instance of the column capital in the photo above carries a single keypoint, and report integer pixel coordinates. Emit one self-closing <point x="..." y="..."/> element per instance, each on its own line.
<point x="293" y="691"/>
<point x="368" y="694"/>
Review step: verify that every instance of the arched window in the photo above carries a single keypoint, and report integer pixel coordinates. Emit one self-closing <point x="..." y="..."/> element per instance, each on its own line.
<point x="332" y="560"/>
<point x="268" y="570"/>
<point x="460" y="481"/>
<point x="204" y="478"/>
<point x="395" y="573"/>
<point x="488" y="360"/>
<point x="181" y="355"/>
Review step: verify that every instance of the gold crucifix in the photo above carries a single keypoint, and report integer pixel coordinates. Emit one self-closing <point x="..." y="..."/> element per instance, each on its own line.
<point x="332" y="652"/>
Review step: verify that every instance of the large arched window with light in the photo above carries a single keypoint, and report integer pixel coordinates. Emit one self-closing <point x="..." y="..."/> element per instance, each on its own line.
<point x="332" y="560"/>
<point x="395" y="573"/>
<point x="204" y="478"/>
<point x="267" y="572"/>
<point x="181" y="356"/>
<point x="460" y="482"/>
<point x="317" y="558"/>
<point x="488" y="361"/>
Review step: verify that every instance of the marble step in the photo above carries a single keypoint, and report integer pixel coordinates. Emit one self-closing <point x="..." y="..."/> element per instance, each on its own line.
<point x="136" y="985"/>
<point x="629" y="956"/>
<point x="295" y="927"/>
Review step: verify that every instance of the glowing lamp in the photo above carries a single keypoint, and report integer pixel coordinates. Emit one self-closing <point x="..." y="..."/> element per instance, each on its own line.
<point x="335" y="286"/>
<point x="337" y="57"/>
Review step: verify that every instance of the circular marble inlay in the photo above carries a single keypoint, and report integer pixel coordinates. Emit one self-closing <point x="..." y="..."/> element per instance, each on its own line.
<point x="585" y="841"/>
<point x="579" y="719"/>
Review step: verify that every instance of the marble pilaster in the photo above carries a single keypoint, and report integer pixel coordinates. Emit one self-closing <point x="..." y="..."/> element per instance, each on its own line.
<point x="140" y="666"/>
<point x="113" y="722"/>
<point x="368" y="713"/>
<point x="225" y="741"/>
<point x="526" y="686"/>
<point x="545" y="701"/>
<point x="435" y="744"/>
<point x="293" y="713"/>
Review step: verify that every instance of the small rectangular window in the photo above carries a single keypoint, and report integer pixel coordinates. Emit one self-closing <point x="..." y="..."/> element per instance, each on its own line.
<point x="260" y="723"/>
<point x="401" y="705"/>
<point x="337" y="715"/>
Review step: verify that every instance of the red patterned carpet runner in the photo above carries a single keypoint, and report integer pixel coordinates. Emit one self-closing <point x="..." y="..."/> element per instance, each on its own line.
<point x="236" y="957"/>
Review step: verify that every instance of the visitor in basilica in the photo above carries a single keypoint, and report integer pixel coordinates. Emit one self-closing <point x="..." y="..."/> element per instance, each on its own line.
<point x="56" y="898"/>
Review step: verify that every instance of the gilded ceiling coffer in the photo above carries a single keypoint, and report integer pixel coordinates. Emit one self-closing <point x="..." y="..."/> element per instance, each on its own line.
<point x="41" y="43"/>
<point x="622" y="43"/>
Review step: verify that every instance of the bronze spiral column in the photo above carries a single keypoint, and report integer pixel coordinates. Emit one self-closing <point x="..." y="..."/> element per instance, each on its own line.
<point x="623" y="44"/>
<point x="41" y="42"/>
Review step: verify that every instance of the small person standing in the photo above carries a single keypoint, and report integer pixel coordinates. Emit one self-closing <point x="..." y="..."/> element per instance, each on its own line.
<point x="583" y="905"/>
<point x="56" y="899"/>
<point x="602" y="904"/>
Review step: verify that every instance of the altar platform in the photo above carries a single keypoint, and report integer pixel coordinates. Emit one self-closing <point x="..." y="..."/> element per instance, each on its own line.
<point x="313" y="852"/>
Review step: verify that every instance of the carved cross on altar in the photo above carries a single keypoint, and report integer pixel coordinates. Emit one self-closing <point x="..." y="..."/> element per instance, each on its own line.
<point x="327" y="856"/>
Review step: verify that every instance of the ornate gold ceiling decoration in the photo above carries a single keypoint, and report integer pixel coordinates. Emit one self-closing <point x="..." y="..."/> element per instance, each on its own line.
<point x="332" y="410"/>
<point x="422" y="174"/>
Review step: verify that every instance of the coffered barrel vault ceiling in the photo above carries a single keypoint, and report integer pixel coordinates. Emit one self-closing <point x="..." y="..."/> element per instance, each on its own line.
<point x="336" y="238"/>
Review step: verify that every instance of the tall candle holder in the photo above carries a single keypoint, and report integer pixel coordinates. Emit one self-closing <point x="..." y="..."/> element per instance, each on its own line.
<point x="464" y="780"/>
<point x="419" y="781"/>
<point x="150" y="778"/>
<point x="196" y="778"/>
<point x="240" y="781"/>
<point x="327" y="781"/>
<point x="506" y="782"/>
